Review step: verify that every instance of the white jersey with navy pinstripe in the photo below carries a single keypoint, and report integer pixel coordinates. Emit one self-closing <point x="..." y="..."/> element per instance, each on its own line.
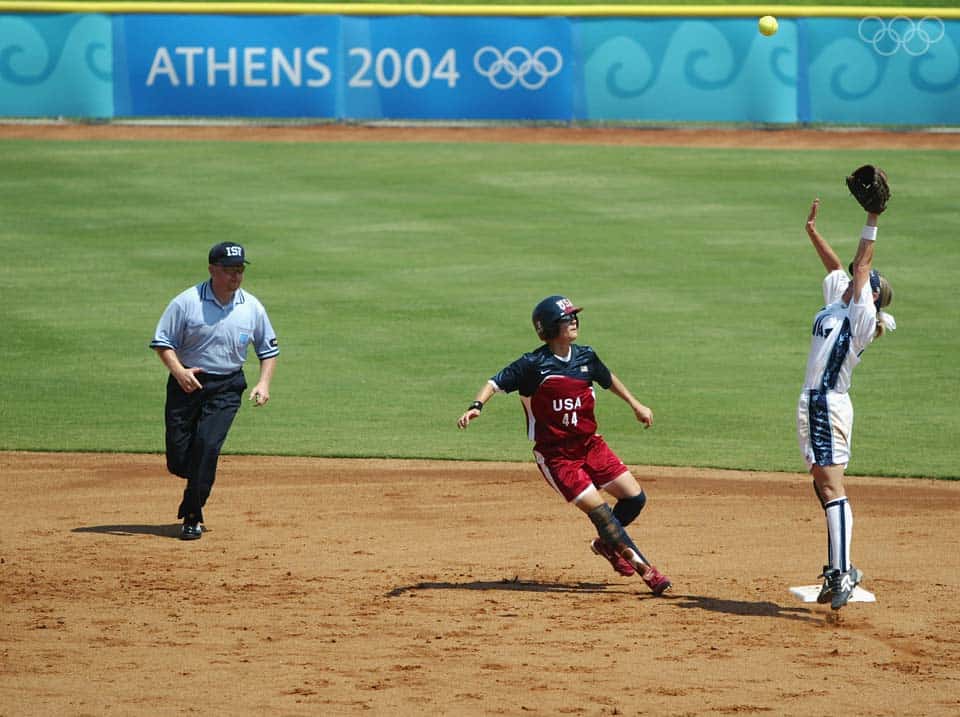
<point x="840" y="334"/>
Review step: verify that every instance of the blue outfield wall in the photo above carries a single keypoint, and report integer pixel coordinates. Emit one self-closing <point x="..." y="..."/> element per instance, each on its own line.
<point x="696" y="69"/>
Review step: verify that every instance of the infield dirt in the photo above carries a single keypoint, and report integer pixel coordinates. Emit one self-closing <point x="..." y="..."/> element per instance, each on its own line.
<point x="773" y="138"/>
<point x="328" y="587"/>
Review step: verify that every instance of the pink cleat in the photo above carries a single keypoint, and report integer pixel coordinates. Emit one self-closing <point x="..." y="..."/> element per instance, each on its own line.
<point x="655" y="580"/>
<point x="620" y="564"/>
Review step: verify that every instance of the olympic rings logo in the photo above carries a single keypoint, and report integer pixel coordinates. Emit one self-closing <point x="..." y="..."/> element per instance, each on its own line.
<point x="915" y="38"/>
<point x="518" y="65"/>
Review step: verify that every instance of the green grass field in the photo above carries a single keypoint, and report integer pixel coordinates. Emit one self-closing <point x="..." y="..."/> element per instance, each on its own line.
<point x="401" y="276"/>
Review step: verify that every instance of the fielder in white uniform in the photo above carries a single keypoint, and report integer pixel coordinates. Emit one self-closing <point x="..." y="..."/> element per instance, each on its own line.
<point x="842" y="330"/>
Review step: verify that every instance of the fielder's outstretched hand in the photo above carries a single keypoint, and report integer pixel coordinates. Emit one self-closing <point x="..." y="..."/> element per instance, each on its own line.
<point x="812" y="218"/>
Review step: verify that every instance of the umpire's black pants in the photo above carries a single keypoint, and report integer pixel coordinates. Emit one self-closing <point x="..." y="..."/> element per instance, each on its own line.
<point x="197" y="424"/>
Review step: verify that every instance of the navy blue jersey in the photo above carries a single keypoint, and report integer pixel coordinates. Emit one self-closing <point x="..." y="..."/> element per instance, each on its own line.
<point x="558" y="394"/>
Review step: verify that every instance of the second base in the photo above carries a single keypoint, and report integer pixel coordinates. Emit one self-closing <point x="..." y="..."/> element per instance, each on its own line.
<point x="808" y="593"/>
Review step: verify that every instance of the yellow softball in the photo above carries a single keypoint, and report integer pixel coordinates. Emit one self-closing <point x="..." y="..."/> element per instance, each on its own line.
<point x="767" y="25"/>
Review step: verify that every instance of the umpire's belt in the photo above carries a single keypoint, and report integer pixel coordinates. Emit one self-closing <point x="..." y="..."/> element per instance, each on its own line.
<point x="218" y="380"/>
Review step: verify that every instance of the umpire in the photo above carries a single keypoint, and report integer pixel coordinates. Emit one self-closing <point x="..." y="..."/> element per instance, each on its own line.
<point x="202" y="339"/>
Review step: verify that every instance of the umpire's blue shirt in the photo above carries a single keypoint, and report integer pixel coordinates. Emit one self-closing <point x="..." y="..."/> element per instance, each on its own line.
<point x="213" y="337"/>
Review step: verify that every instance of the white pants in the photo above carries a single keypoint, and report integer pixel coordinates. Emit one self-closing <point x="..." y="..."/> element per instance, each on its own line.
<point x="825" y="428"/>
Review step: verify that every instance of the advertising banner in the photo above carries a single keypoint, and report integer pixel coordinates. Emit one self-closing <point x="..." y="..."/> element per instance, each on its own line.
<point x="227" y="66"/>
<point x="407" y="67"/>
<point x="869" y="70"/>
<point x="452" y="68"/>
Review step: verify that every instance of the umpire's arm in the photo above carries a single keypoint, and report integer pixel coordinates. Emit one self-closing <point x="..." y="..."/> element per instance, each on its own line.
<point x="185" y="377"/>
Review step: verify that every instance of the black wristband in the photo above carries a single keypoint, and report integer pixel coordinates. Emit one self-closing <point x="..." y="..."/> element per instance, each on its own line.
<point x="477" y="405"/>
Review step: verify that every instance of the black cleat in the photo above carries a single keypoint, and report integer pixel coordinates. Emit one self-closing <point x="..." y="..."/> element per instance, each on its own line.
<point x="842" y="585"/>
<point x="191" y="531"/>
<point x="826" y="590"/>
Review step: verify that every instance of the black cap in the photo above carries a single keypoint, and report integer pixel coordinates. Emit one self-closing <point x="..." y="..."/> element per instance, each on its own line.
<point x="227" y="253"/>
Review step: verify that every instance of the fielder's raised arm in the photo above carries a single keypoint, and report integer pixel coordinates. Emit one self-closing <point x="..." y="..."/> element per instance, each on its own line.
<point x="831" y="262"/>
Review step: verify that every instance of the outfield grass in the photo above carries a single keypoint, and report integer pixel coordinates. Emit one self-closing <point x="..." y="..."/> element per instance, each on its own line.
<point x="400" y="276"/>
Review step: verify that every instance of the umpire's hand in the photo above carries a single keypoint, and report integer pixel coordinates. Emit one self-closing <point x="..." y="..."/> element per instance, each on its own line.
<point x="188" y="379"/>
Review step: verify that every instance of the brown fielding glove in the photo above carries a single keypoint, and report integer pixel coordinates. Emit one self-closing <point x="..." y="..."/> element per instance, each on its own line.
<point x="868" y="185"/>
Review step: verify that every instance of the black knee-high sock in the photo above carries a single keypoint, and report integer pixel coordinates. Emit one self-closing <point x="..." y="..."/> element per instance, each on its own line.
<point x="611" y="531"/>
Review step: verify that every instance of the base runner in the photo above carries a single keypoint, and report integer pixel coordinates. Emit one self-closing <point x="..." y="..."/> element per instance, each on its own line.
<point x="555" y="383"/>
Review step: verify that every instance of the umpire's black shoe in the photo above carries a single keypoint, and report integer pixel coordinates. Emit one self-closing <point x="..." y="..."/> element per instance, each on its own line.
<point x="191" y="531"/>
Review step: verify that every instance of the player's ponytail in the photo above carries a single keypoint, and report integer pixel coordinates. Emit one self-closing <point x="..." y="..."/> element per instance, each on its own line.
<point x="885" y="321"/>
